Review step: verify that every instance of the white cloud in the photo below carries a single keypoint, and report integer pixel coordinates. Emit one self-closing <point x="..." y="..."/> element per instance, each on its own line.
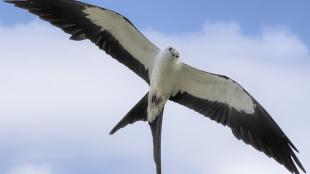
<point x="31" y="169"/>
<point x="226" y="42"/>
<point x="60" y="98"/>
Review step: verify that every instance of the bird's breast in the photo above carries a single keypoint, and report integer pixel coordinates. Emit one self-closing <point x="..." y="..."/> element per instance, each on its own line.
<point x="164" y="77"/>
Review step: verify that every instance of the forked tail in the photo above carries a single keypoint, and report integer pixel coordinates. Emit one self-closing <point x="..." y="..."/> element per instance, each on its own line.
<point x="139" y="113"/>
<point x="156" y="126"/>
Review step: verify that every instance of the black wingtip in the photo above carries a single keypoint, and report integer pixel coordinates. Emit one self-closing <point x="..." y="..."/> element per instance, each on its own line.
<point x="298" y="162"/>
<point x="294" y="155"/>
<point x="292" y="145"/>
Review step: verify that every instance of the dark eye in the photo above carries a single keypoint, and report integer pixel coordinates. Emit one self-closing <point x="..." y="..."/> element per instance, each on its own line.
<point x="170" y="49"/>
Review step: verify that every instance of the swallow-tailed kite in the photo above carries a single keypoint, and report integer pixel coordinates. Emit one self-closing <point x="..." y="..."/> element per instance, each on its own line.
<point x="214" y="96"/>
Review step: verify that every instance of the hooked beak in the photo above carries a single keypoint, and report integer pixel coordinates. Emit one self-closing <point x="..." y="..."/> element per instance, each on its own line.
<point x="176" y="55"/>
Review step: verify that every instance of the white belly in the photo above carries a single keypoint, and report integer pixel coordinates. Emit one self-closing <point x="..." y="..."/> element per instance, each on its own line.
<point x="163" y="78"/>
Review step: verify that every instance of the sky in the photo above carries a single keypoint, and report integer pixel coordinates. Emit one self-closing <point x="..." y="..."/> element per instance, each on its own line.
<point x="59" y="98"/>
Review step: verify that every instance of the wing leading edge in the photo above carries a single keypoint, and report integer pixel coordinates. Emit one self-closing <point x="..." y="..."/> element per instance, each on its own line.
<point x="110" y="31"/>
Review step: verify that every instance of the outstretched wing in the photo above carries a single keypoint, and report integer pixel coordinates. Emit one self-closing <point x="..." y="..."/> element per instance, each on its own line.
<point x="110" y="31"/>
<point x="226" y="102"/>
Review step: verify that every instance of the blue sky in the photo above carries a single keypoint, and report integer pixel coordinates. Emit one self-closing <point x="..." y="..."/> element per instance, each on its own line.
<point x="57" y="107"/>
<point x="173" y="16"/>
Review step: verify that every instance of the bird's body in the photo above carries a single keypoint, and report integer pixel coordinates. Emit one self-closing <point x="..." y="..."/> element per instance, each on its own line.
<point x="214" y="96"/>
<point x="164" y="76"/>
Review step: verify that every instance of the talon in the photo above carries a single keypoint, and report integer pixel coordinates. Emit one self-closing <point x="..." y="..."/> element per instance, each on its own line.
<point x="157" y="101"/>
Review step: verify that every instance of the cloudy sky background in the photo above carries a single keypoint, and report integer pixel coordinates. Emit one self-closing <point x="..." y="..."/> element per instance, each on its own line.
<point x="59" y="98"/>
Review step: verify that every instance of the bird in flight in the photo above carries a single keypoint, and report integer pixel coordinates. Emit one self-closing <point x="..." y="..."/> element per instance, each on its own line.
<point x="215" y="96"/>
